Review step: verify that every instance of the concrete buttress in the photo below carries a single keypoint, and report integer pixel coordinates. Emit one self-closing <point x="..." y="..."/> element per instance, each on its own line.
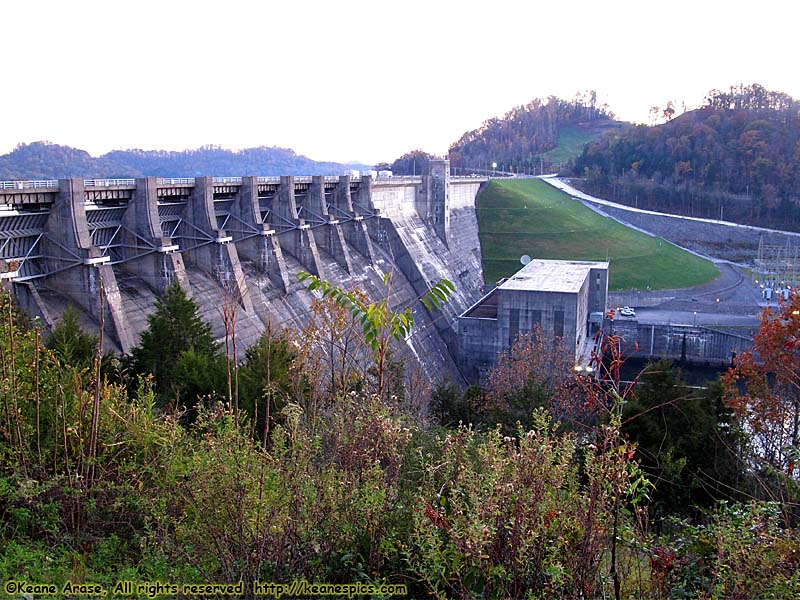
<point x="261" y="246"/>
<point x="68" y="236"/>
<point x="218" y="257"/>
<point x="354" y="227"/>
<point x="58" y="245"/>
<point x="159" y="268"/>
<point x="296" y="236"/>
<point x="329" y="234"/>
<point x="363" y="207"/>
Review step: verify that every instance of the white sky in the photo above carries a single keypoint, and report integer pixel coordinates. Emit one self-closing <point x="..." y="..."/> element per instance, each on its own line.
<point x="346" y="80"/>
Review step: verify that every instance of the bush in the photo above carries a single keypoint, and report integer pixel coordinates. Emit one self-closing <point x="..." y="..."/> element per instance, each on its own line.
<point x="514" y="517"/>
<point x="314" y="506"/>
<point x="741" y="552"/>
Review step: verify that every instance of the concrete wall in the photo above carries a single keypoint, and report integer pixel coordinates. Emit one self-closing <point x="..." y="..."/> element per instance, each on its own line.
<point x="598" y="290"/>
<point x="479" y="346"/>
<point x="491" y="326"/>
<point x="463" y="194"/>
<point x="583" y="304"/>
<point x="379" y="231"/>
<point x="537" y="307"/>
<point x="396" y="198"/>
<point x="481" y="340"/>
<point x="701" y="345"/>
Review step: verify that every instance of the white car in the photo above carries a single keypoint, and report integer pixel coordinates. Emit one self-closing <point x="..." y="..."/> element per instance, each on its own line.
<point x="627" y="311"/>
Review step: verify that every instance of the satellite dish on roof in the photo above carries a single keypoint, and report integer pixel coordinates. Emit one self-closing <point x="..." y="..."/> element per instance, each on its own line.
<point x="525" y="259"/>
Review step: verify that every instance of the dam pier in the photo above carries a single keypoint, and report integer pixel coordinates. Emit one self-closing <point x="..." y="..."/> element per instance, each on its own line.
<point x="242" y="240"/>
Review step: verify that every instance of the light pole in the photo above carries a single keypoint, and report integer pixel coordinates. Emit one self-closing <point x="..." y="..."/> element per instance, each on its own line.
<point x="494" y="169"/>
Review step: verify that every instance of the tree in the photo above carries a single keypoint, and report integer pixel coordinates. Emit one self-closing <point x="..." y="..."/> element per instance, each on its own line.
<point x="379" y="323"/>
<point x="684" y="438"/>
<point x="669" y="111"/>
<point x="415" y="162"/>
<point x="536" y="372"/>
<point x="334" y="337"/>
<point x="763" y="391"/>
<point x="518" y="139"/>
<point x="450" y="407"/>
<point x="71" y="344"/>
<point x="176" y="329"/>
<point x="738" y="149"/>
<point x="266" y="380"/>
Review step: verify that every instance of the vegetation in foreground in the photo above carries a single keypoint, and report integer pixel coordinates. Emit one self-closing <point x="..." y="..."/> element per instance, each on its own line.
<point x="293" y="474"/>
<point x="528" y="216"/>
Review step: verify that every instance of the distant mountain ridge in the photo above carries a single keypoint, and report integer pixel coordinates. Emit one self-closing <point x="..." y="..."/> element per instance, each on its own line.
<point x="44" y="160"/>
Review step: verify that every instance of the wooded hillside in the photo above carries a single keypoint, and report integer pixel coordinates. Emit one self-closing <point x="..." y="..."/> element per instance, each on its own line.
<point x="736" y="157"/>
<point x="517" y="141"/>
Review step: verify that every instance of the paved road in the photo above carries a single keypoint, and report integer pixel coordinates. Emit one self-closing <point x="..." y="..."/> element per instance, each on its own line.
<point x="659" y="316"/>
<point x="731" y="299"/>
<point x="564" y="186"/>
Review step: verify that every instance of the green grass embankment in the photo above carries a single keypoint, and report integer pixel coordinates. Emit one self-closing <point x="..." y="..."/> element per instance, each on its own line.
<point x="572" y="137"/>
<point x="528" y="216"/>
<point x="571" y="141"/>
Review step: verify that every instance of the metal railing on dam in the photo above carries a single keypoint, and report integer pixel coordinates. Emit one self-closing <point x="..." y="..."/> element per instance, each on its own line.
<point x="130" y="182"/>
<point x="28" y="185"/>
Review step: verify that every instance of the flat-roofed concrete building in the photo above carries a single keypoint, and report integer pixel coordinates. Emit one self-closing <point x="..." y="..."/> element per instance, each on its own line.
<point x="565" y="298"/>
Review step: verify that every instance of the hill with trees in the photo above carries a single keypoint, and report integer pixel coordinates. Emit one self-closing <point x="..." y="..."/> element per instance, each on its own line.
<point x="415" y="162"/>
<point x="736" y="157"/>
<point x="521" y="140"/>
<point x="43" y="160"/>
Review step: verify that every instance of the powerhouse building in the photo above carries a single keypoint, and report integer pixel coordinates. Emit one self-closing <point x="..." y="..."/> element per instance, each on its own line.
<point x="565" y="298"/>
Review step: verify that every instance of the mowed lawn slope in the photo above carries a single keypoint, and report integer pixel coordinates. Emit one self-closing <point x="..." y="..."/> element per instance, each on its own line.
<point x="571" y="141"/>
<point x="572" y="138"/>
<point x="528" y="216"/>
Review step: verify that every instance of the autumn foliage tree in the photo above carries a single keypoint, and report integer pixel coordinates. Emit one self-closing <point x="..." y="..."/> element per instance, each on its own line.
<point x="416" y="162"/>
<point x="517" y="139"/>
<point x="535" y="372"/>
<point x="735" y="157"/>
<point x="379" y="323"/>
<point x="763" y="390"/>
<point x="335" y="337"/>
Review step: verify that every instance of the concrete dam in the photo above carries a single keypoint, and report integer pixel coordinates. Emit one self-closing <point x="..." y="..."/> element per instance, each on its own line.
<point x="243" y="238"/>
